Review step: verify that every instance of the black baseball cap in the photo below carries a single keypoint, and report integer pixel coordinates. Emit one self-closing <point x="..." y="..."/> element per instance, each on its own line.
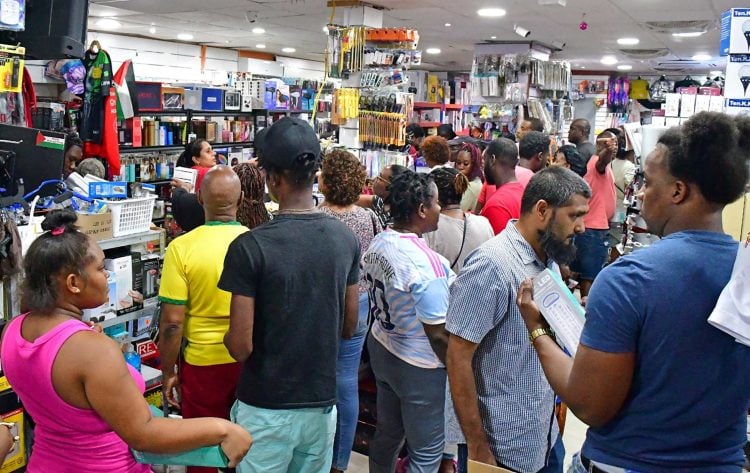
<point x="286" y="140"/>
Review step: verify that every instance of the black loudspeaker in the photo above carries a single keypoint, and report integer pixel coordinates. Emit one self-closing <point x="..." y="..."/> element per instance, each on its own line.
<point x="55" y="29"/>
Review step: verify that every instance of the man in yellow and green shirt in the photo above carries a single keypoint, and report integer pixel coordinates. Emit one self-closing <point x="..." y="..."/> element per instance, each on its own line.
<point x="195" y="310"/>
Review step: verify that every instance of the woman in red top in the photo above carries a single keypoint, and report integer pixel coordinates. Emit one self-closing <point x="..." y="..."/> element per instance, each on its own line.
<point x="200" y="156"/>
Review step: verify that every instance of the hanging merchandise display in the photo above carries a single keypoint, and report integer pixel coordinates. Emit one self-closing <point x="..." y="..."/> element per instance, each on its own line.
<point x="619" y="92"/>
<point x="376" y="160"/>
<point x="660" y="88"/>
<point x="509" y="76"/>
<point x="98" y="81"/>
<point x="639" y="89"/>
<point x="11" y="67"/>
<point x="345" y="105"/>
<point x="381" y="129"/>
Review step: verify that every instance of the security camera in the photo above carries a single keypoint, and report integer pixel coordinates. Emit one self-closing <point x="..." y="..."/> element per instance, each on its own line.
<point x="251" y="16"/>
<point x="521" y="31"/>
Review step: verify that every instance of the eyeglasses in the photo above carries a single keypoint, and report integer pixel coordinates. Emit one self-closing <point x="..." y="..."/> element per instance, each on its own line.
<point x="379" y="177"/>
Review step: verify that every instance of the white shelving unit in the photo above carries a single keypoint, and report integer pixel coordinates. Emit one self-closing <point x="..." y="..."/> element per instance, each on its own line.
<point x="128" y="240"/>
<point x="121" y="319"/>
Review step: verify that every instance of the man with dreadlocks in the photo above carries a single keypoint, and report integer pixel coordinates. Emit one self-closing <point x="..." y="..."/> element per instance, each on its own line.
<point x="196" y="310"/>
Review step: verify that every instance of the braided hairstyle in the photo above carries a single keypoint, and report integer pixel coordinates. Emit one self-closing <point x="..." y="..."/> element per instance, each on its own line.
<point x="252" y="211"/>
<point x="451" y="185"/>
<point x="476" y="160"/>
<point x="408" y="191"/>
<point x="60" y="249"/>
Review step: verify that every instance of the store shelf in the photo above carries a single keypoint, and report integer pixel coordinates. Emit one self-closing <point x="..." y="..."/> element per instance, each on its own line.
<point x="150" y="149"/>
<point x="128" y="240"/>
<point x="429" y="124"/>
<point x="154" y="149"/>
<point x="121" y="319"/>
<point x="199" y="113"/>
<point x="427" y="105"/>
<point x="454" y="106"/>
<point x="166" y="113"/>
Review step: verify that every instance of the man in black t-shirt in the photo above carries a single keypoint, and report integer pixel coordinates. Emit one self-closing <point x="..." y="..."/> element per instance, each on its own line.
<point x="294" y="294"/>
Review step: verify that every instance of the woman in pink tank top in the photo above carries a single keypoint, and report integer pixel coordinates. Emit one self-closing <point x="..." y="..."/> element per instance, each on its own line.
<point x="87" y="402"/>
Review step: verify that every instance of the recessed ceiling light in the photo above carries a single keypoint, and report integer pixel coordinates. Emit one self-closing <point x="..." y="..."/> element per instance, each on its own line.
<point x="624" y="67"/>
<point x="108" y="24"/>
<point x="260" y="46"/>
<point x="702" y="57"/>
<point x="493" y="37"/>
<point x="433" y="51"/>
<point x="258" y="30"/>
<point x="152" y="30"/>
<point x="288" y="50"/>
<point x="583" y="67"/>
<point x="609" y="60"/>
<point x="628" y="41"/>
<point x="691" y="34"/>
<point x="491" y="12"/>
<point x="448" y="25"/>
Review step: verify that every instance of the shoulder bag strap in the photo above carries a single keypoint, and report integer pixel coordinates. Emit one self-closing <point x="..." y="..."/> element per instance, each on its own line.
<point x="463" y="241"/>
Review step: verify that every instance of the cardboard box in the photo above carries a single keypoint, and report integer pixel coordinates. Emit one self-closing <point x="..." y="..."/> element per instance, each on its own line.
<point x="122" y="268"/>
<point x="738" y="76"/>
<point x="96" y="226"/>
<point x="212" y="100"/>
<point x="735" y="31"/>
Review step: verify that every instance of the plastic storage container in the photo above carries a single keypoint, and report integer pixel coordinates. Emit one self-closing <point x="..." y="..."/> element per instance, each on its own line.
<point x="131" y="216"/>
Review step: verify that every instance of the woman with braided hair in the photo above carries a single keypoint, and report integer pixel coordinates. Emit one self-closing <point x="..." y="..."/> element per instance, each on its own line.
<point x="408" y="285"/>
<point x="251" y="211"/>
<point x="469" y="162"/>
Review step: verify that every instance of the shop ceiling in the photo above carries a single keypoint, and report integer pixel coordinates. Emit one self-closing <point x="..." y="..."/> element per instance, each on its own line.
<point x="450" y="25"/>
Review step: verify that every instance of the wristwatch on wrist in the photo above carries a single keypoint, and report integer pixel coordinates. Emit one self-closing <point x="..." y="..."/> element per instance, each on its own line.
<point x="534" y="334"/>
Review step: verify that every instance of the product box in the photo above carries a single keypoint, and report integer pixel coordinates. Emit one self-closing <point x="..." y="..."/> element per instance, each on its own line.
<point x="150" y="267"/>
<point x="738" y="76"/>
<point x="212" y="100"/>
<point x="717" y="104"/>
<point x="418" y="85"/>
<point x="283" y="98"/>
<point x="702" y="103"/>
<point x="135" y="126"/>
<point x="738" y="106"/>
<point x="97" y="226"/>
<point x="149" y="96"/>
<point x="137" y="266"/>
<point x="560" y="309"/>
<point x="141" y="327"/>
<point x="107" y="310"/>
<point x="122" y="269"/>
<point x="687" y="105"/>
<point x="172" y="98"/>
<point x="16" y="458"/>
<point x="193" y="98"/>
<point x="735" y="31"/>
<point x="672" y="105"/>
<point x="232" y="100"/>
<point x="269" y="98"/>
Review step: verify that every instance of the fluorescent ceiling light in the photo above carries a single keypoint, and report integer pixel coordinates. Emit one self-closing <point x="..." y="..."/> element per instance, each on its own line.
<point x="491" y="12"/>
<point x="260" y="46"/>
<point x="628" y="41"/>
<point x="448" y="25"/>
<point x="258" y="30"/>
<point x="433" y="51"/>
<point x="108" y="24"/>
<point x="624" y="67"/>
<point x="609" y="60"/>
<point x="184" y="36"/>
<point x="493" y="37"/>
<point x="691" y="34"/>
<point x="288" y="50"/>
<point x="702" y="57"/>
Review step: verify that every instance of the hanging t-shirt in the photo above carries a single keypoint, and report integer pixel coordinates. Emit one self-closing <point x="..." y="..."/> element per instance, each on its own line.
<point x="408" y="285"/>
<point x="98" y="81"/>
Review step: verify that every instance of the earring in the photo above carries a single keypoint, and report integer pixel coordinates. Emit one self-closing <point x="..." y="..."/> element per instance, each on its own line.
<point x="76" y="290"/>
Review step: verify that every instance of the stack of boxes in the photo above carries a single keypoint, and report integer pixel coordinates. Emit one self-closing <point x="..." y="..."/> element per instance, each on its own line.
<point x="735" y="43"/>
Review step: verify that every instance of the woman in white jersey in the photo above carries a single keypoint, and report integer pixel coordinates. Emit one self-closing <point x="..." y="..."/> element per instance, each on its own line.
<point x="408" y="286"/>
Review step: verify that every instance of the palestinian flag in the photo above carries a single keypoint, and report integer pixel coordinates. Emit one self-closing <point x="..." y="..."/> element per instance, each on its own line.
<point x="127" y="96"/>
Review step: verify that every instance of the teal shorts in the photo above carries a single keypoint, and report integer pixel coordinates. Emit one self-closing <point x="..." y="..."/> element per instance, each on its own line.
<point x="287" y="440"/>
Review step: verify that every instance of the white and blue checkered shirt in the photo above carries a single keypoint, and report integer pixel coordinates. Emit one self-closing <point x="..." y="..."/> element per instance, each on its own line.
<point x="516" y="402"/>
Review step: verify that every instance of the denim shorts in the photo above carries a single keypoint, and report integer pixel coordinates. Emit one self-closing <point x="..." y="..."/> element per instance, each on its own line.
<point x="592" y="248"/>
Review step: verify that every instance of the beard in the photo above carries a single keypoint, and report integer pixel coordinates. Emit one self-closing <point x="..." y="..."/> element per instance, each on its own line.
<point x="561" y="252"/>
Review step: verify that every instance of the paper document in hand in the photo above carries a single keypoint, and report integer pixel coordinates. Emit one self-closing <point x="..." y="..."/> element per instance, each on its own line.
<point x="186" y="175"/>
<point x="560" y="309"/>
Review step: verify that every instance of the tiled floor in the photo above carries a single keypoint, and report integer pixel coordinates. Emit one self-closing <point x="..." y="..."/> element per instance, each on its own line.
<point x="575" y="433"/>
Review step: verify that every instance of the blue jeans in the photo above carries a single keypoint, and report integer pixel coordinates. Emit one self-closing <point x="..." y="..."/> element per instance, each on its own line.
<point x="592" y="249"/>
<point x="556" y="458"/>
<point x="577" y="467"/>
<point x="411" y="405"/>
<point x="287" y="440"/>
<point x="347" y="388"/>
